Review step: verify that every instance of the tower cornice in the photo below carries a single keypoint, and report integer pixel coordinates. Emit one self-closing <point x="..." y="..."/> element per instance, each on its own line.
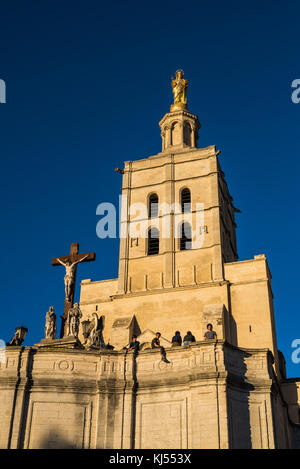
<point x="171" y="116"/>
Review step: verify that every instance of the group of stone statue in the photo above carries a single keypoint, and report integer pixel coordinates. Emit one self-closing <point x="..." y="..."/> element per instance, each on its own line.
<point x="92" y="330"/>
<point x="92" y="333"/>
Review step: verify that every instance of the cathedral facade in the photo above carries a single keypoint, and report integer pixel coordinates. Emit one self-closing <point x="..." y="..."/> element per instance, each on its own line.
<point x="178" y="270"/>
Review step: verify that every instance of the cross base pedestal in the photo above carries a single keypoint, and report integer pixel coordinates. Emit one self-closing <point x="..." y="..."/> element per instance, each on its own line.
<point x="69" y="342"/>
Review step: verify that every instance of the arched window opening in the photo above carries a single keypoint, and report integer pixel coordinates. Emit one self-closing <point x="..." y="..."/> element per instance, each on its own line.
<point x="185" y="237"/>
<point x="187" y="132"/>
<point x="185" y="200"/>
<point x="153" y="206"/>
<point x="153" y="241"/>
<point x="176" y="134"/>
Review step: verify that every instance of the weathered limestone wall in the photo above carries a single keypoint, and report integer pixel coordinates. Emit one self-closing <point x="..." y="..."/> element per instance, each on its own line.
<point x="166" y="175"/>
<point x="164" y="310"/>
<point x="291" y="392"/>
<point x="210" y="395"/>
<point x="245" y="294"/>
<point x="251" y="302"/>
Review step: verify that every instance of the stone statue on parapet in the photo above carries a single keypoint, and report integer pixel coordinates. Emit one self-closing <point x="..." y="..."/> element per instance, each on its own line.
<point x="92" y="332"/>
<point x="73" y="321"/>
<point x="19" y="336"/>
<point x="95" y="338"/>
<point x="50" y="326"/>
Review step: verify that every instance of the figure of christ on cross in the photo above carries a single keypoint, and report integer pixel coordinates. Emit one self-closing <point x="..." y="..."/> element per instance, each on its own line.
<point x="70" y="263"/>
<point x="69" y="278"/>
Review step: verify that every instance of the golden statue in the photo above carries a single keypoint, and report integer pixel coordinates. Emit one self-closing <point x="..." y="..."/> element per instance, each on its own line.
<point x="179" y="88"/>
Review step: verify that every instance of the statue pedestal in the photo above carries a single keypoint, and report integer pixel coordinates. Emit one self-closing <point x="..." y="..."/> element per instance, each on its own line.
<point x="70" y="342"/>
<point x="178" y="107"/>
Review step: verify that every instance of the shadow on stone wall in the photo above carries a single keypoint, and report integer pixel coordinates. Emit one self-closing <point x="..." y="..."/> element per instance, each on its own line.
<point x="232" y="322"/>
<point x="55" y="440"/>
<point x="238" y="395"/>
<point x="134" y="397"/>
<point x="20" y="441"/>
<point x="292" y="411"/>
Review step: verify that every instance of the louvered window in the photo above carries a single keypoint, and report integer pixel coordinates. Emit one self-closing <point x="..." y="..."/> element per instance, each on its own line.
<point x="185" y="237"/>
<point x="153" y="241"/>
<point x="185" y="200"/>
<point x="153" y="206"/>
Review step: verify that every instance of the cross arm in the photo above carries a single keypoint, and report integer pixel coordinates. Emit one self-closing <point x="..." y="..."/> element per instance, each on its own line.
<point x="63" y="259"/>
<point x="90" y="256"/>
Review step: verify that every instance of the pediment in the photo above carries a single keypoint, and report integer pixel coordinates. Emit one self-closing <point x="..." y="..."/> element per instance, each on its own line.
<point x="146" y="337"/>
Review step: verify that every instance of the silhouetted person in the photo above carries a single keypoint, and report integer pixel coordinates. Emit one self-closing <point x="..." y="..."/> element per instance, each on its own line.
<point x="188" y="338"/>
<point x="134" y="345"/>
<point x="176" y="340"/>
<point x="156" y="344"/>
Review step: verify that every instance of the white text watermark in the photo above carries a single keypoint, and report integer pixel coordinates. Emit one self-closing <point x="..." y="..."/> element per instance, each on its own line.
<point x="2" y="92"/>
<point x="2" y="351"/>
<point x="296" y="353"/>
<point x="296" y="93"/>
<point x="166" y="221"/>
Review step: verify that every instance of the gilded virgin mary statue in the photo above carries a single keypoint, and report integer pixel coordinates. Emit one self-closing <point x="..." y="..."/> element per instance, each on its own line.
<point x="179" y="87"/>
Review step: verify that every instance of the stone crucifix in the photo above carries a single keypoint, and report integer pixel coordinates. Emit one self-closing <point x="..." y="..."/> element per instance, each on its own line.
<point x="70" y="263"/>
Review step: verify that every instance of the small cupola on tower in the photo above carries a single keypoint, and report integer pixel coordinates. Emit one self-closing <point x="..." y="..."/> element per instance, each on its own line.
<point x="179" y="127"/>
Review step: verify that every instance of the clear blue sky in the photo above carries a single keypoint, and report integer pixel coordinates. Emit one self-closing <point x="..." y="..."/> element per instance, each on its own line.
<point x="88" y="81"/>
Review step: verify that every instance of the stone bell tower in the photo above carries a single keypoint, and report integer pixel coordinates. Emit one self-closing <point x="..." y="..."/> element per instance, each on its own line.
<point x="179" y="131"/>
<point x="181" y="187"/>
<point x="90" y="391"/>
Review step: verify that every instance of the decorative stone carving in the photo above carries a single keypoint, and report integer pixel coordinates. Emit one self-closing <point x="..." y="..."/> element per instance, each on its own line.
<point x="95" y="338"/>
<point x="65" y="365"/>
<point x="19" y="336"/>
<point x="86" y="326"/>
